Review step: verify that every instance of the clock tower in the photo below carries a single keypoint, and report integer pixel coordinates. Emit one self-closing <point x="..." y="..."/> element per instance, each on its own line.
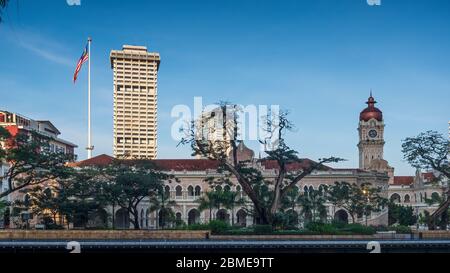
<point x="371" y="135"/>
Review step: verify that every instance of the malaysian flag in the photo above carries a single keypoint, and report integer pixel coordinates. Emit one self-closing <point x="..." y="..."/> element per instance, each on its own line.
<point x="84" y="58"/>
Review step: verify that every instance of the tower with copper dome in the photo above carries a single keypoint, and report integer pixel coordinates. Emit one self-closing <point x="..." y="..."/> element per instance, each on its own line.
<point x="371" y="135"/>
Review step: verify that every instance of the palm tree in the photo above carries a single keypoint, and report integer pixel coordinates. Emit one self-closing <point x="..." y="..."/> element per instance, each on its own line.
<point x="337" y="194"/>
<point x="291" y="199"/>
<point x="208" y="201"/>
<point x="230" y="200"/>
<point x="161" y="202"/>
<point x="313" y="205"/>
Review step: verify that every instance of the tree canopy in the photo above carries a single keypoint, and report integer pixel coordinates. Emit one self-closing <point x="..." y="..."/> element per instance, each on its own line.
<point x="127" y="183"/>
<point x="30" y="161"/>
<point x="428" y="151"/>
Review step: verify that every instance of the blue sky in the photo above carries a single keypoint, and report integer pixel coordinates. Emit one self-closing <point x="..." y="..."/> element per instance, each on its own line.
<point x="318" y="58"/>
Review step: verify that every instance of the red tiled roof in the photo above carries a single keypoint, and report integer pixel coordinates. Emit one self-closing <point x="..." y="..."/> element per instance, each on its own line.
<point x="188" y="164"/>
<point x="101" y="160"/>
<point x="403" y="180"/>
<point x="164" y="164"/>
<point x="306" y="163"/>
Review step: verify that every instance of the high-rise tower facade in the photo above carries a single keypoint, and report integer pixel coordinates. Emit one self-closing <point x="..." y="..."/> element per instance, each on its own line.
<point x="135" y="102"/>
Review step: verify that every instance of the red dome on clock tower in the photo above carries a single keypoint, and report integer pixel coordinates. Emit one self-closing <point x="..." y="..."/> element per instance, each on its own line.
<point x="371" y="111"/>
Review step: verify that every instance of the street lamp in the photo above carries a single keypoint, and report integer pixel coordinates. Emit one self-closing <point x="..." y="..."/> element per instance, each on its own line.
<point x="366" y="193"/>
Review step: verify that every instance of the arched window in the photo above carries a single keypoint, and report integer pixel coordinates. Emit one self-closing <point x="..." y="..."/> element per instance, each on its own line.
<point x="421" y="197"/>
<point x="167" y="191"/>
<point x="407" y="198"/>
<point x="191" y="191"/>
<point x="227" y="188"/>
<point x="341" y="216"/>
<point x="198" y="191"/>
<point x="179" y="191"/>
<point x="395" y="198"/>
<point x="193" y="217"/>
<point x="178" y="217"/>
<point x="305" y="190"/>
<point x="311" y="188"/>
<point x="435" y="196"/>
<point x="238" y="188"/>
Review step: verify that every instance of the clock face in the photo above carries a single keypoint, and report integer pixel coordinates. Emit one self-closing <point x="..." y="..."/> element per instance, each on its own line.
<point x="373" y="133"/>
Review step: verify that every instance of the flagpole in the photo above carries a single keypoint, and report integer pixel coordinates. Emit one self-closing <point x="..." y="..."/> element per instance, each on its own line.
<point x="90" y="148"/>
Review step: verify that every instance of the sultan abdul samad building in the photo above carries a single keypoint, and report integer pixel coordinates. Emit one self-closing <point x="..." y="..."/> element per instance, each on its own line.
<point x="373" y="168"/>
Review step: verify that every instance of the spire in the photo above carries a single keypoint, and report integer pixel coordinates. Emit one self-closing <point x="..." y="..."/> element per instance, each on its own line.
<point x="371" y="101"/>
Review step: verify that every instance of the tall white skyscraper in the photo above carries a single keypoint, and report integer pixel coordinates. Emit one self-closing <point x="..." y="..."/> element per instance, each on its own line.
<point x="135" y="102"/>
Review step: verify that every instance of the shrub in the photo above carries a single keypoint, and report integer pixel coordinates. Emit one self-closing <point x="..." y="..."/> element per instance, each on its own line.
<point x="381" y="228"/>
<point x="321" y="228"/>
<point x="339" y="224"/>
<point x="262" y="229"/>
<point x="198" y="227"/>
<point x="401" y="229"/>
<point x="339" y="229"/>
<point x="218" y="227"/>
<point x="359" y="229"/>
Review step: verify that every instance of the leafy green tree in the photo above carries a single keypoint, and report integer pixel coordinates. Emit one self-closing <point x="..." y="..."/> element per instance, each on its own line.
<point x="425" y="217"/>
<point x="230" y="200"/>
<point x="401" y="215"/>
<point x="31" y="162"/>
<point x="74" y="199"/>
<point x="207" y="202"/>
<point x="287" y="217"/>
<point x="313" y="206"/>
<point x="290" y="200"/>
<point x="337" y="194"/>
<point x="4" y="208"/>
<point x="356" y="199"/>
<point x="41" y="202"/>
<point x="429" y="151"/>
<point x="131" y="182"/>
<point x="81" y="196"/>
<point x="161" y="202"/>
<point x="267" y="201"/>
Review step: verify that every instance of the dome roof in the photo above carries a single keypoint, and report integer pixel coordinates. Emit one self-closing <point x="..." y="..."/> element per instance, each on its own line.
<point x="371" y="111"/>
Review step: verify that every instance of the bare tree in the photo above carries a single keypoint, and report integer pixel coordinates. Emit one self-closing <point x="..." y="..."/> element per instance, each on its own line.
<point x="265" y="195"/>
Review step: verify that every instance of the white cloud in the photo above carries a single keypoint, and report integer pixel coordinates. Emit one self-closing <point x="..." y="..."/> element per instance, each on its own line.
<point x="48" y="55"/>
<point x="42" y="46"/>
